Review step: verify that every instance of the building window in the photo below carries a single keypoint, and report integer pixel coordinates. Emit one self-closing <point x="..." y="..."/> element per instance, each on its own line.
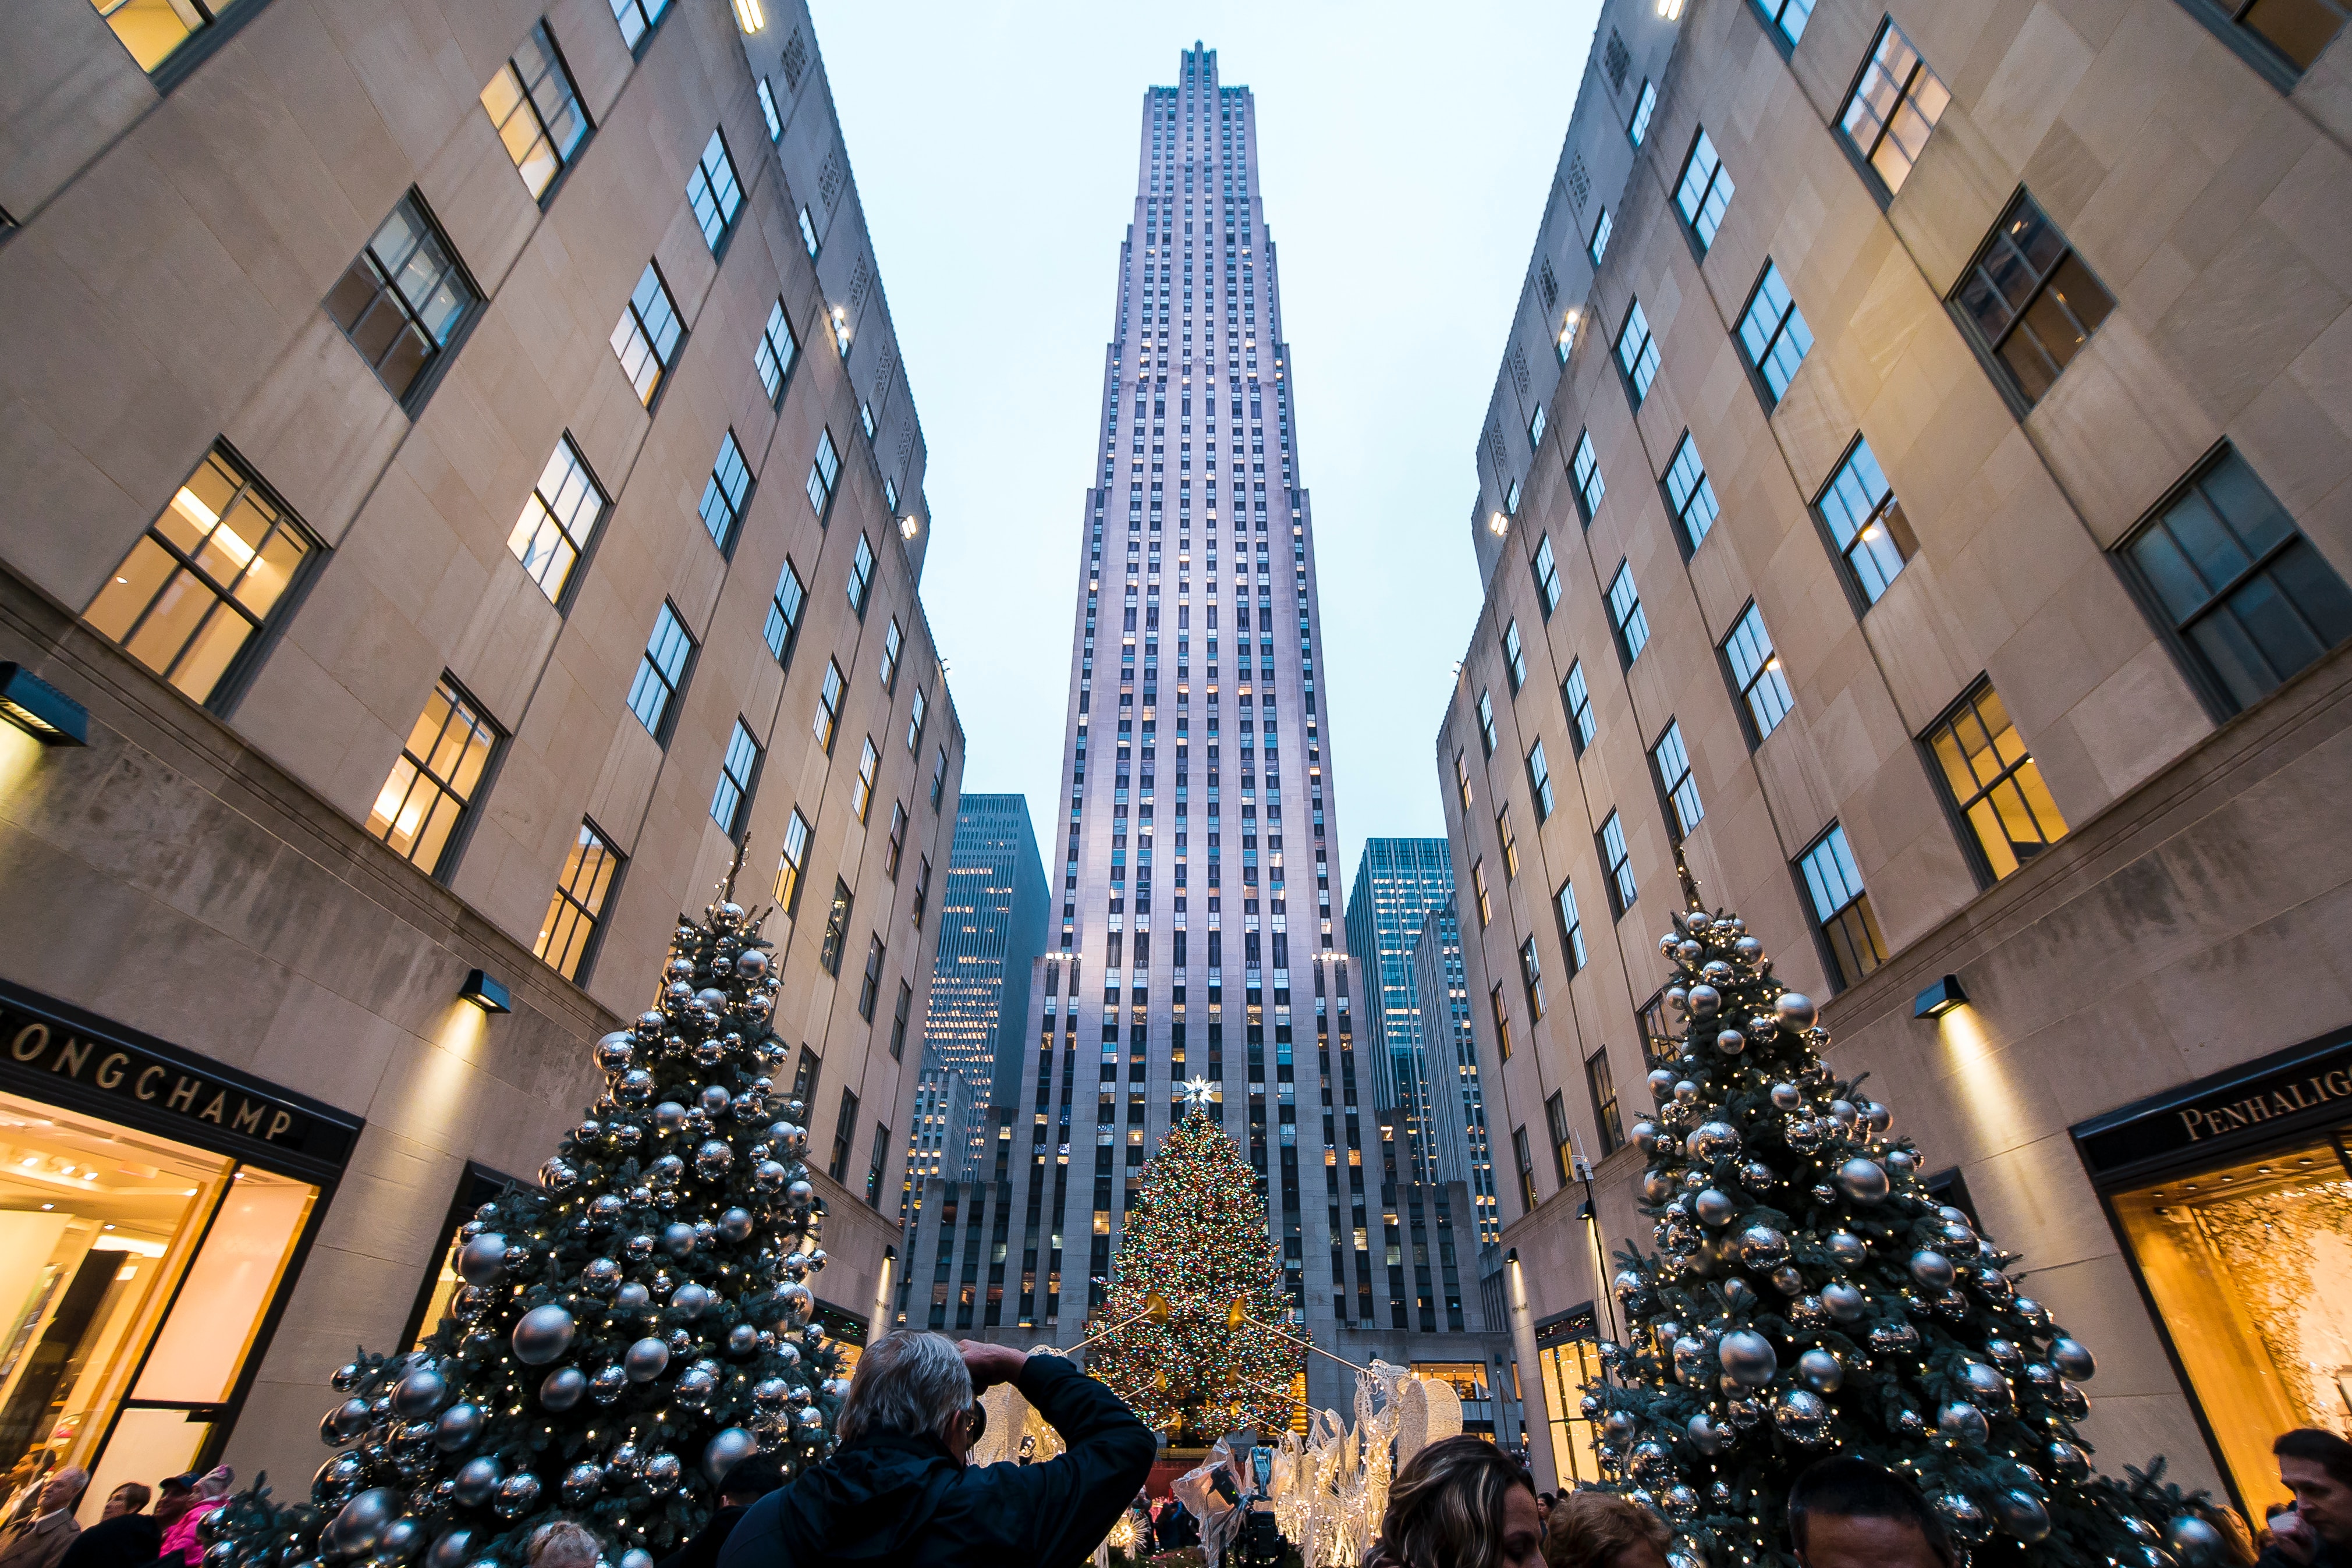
<point x="736" y="770"/>
<point x="1575" y="697"/>
<point x="1532" y="978"/>
<point x="2238" y="584"/>
<point x="1788" y="16"/>
<point x="1644" y="106"/>
<point x="1658" y="1046"/>
<point x="894" y="642"/>
<point x="1773" y="334"/>
<point x="1688" y="489"/>
<point x="1585" y="470"/>
<point x="1597" y="245"/>
<point x="861" y="577"/>
<point x="536" y="110"/>
<point x="1892" y="107"/>
<point x="808" y="234"/>
<point x="1600" y="1084"/>
<point x="713" y="191"/>
<point x="1487" y="737"/>
<point x="845" y="1129"/>
<point x="784" y="627"/>
<point x="1540" y="781"/>
<point x="724" y="493"/>
<point x="938" y="777"/>
<point x="865" y="419"/>
<point x="1756" y="672"/>
<point x="637" y="18"/>
<point x="775" y="351"/>
<point x="1620" y="866"/>
<point x="1515" y="658"/>
<point x="1501" y="1012"/>
<point x="575" y="913"/>
<point x="1637" y="353"/>
<point x="869" y="984"/>
<point x="775" y="122"/>
<point x="1626" y="615"/>
<point x="895" y="846"/>
<point x="875" y="1166"/>
<point x="1705" y="191"/>
<point x="1563" y="1147"/>
<point x="792" y="864"/>
<point x="204" y="579"/>
<point x="2029" y="300"/>
<point x="824" y="473"/>
<point x="869" y="764"/>
<point x="1671" y="760"/>
<point x="1527" y="1160"/>
<point x="1571" y="927"/>
<point x="402" y="299"/>
<point x="2294" y="31"/>
<point x="1462" y="780"/>
<point x="646" y="336"/>
<point x="1867" y="522"/>
<point x="431" y="787"/>
<point x="906" y="1004"/>
<point x="153" y="32"/>
<point x="1546" y="572"/>
<point x="1478" y="890"/>
<point x="836" y="929"/>
<point x="1510" y="844"/>
<point x="1995" y="784"/>
<point x="558" y="519"/>
<point x="1841" y="907"/>
<point x="1535" y="438"/>
<point x="828" y="707"/>
<point x="922" y="890"/>
<point x="917" y="710"/>
<point x="661" y="673"/>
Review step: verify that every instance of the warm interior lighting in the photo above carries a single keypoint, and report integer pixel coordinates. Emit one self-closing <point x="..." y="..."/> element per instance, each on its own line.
<point x="485" y="992"/>
<point x="1671" y="10"/>
<point x="40" y="709"/>
<point x="1940" y="998"/>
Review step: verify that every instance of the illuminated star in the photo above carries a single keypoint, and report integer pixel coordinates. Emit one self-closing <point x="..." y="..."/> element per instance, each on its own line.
<point x="1197" y="1091"/>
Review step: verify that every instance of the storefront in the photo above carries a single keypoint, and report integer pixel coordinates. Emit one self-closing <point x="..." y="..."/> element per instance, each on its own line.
<point x="154" y="1211"/>
<point x="1568" y="1349"/>
<point x="2232" y="1198"/>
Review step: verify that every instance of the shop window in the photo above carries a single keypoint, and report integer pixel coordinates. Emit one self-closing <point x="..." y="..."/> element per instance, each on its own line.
<point x="477" y="1185"/>
<point x="1469" y="1380"/>
<point x="1569" y="1357"/>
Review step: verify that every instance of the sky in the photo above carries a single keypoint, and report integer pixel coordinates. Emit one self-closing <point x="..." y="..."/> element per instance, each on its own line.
<point x="1406" y="156"/>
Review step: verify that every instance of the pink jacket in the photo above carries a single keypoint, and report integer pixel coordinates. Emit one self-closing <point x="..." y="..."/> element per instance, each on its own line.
<point x="180" y="1541"/>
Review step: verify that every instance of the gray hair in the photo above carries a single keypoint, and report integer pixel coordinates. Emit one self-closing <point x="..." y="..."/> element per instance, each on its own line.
<point x="563" y="1544"/>
<point x="907" y="1381"/>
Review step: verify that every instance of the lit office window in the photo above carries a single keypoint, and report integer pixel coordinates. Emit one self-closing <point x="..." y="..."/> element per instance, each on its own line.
<point x="426" y="797"/>
<point x="1867" y="522"/>
<point x="1995" y="783"/>
<point x="1894" y="108"/>
<point x="558" y="519"/>
<point x="536" y="110"/>
<point x="828" y="706"/>
<point x="869" y="766"/>
<point x="1841" y="907"/>
<point x="791" y="865"/>
<point x="1756" y="670"/>
<point x="575" y="913"/>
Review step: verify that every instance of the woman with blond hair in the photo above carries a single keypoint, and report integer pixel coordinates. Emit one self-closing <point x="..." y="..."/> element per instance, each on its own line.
<point x="1459" y="1503"/>
<point x="1601" y="1530"/>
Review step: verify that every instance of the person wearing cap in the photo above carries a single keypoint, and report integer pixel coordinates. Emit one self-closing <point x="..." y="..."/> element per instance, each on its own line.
<point x="125" y="1536"/>
<point x="41" y="1537"/>
<point x="180" y="1542"/>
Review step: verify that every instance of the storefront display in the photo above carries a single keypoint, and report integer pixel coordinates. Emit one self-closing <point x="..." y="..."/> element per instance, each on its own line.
<point x="1568" y="1349"/>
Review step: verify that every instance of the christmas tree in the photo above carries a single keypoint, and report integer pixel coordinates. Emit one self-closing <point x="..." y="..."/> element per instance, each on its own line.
<point x="1809" y="1296"/>
<point x="627" y="1330"/>
<point x="1192" y="1333"/>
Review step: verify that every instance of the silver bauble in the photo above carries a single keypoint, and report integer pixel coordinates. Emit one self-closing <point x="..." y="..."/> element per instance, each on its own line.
<point x="1888" y="1337"/>
<point x="451" y="1548"/>
<point x="1864" y="1181"/>
<point x="1987" y="1388"/>
<point x="1802" y="1417"/>
<point x="1762" y="1246"/>
<point x="1679" y="1502"/>
<point x="1963" y="1517"/>
<point x="562" y="1388"/>
<point x="662" y="1471"/>
<point x="720" y="1454"/>
<point x="742" y="1340"/>
<point x="1662" y="1084"/>
<point x="2192" y="1540"/>
<point x="2073" y="1358"/>
<point x="1730" y="1042"/>
<point x="634" y="1088"/>
<point x="1846" y="1302"/>
<point x="1748" y="1358"/>
<point x="481" y="1260"/>
<point x="1706" y="1436"/>
<point x="794" y="1305"/>
<point x="1932" y="1269"/>
<point x="1802" y="1133"/>
<point x="1714" y="1140"/>
<point x="677" y="1239"/>
<point x="420" y="1393"/>
<point x="631" y="1299"/>
<point x="1900" y="1161"/>
<point x="636" y="1557"/>
<point x="344" y="1422"/>
<point x="1787" y="1097"/>
<point x="1963" y="1422"/>
<point x="1704" y="1000"/>
<point x="458" y="1425"/>
<point x="2073" y="1402"/>
<point x="1651" y="1462"/>
<point x="359" y="1524"/>
<point x="1787" y="1280"/>
<point x="1714" y="1208"/>
<point x="516" y="1495"/>
<point x="692" y="1299"/>
<point x="2030" y="1310"/>
<point x="582" y="1482"/>
<point x="1820" y="1371"/>
<point x="644" y="1361"/>
<point x="2021" y="1514"/>
<point x="542" y="1335"/>
<point x="2068" y="1461"/>
<point x="1848" y="1249"/>
<point x="695" y="1387"/>
<point x="736" y="1225"/>
<point x="1796" y="1009"/>
<point x="749" y="964"/>
<point x="669" y="1117"/>
<point x="477" y="1478"/>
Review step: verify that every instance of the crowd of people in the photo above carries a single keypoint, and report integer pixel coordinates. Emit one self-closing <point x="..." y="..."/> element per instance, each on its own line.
<point x="42" y="1530"/>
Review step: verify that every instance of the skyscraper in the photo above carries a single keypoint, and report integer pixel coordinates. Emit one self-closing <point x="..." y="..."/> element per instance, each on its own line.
<point x="1398" y="882"/>
<point x="1455" y="1101"/>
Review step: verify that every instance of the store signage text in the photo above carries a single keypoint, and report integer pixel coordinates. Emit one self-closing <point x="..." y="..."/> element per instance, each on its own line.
<point x="2201" y="1121"/>
<point x="2315" y="1090"/>
<point x="131" y="1073"/>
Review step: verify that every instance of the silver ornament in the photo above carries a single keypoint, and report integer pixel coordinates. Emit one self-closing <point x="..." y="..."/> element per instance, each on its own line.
<point x="677" y="1239"/>
<point x="1706" y="1436"/>
<point x="742" y="1340"/>
<point x="1704" y="1000"/>
<point x="692" y="1299"/>
<point x="1864" y="1181"/>
<point x="632" y="1298"/>
<point x="644" y="1361"/>
<point x="481" y="1260"/>
<point x="1761" y="1247"/>
<point x="516" y="1495"/>
<point x="1889" y="1337"/>
<point x="419" y="1394"/>
<point x="458" y="1425"/>
<point x="582" y="1482"/>
<point x="1787" y="1097"/>
<point x="636" y="1557"/>
<point x="1988" y="1389"/>
<point x="344" y="1422"/>
<point x="1796" y="1009"/>
<point x="475" y="1480"/>
<point x="1846" y="1302"/>
<point x="1714" y="1208"/>
<point x="1787" y="1281"/>
<point x="1651" y="1462"/>
<point x="695" y="1387"/>
<point x="1848" y="1249"/>
<point x="2193" y="1540"/>
<point x="1962" y="1517"/>
<point x="542" y="1335"/>
<point x="1748" y="1358"/>
<point x="2073" y="1358"/>
<point x="562" y="1388"/>
<point x="1714" y="1140"/>
<point x="450" y="1550"/>
<point x="359" y="1524"/>
<point x="1932" y="1269"/>
<point x="721" y="1452"/>
<point x="736" y="1225"/>
<point x="1820" y="1369"/>
<point x="749" y="964"/>
<point x="2021" y="1514"/>
<point x="1730" y="1042"/>
<point x="662" y="1471"/>
<point x="1963" y="1422"/>
<point x="2068" y="1461"/>
<point x="1802" y="1417"/>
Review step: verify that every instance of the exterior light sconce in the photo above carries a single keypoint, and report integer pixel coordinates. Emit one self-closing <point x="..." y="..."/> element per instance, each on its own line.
<point x="40" y="709"/>
<point x="1498" y="524"/>
<point x="909" y="526"/>
<point x="1940" y="998"/>
<point x="1671" y="10"/>
<point x="485" y="992"/>
<point x="750" y="18"/>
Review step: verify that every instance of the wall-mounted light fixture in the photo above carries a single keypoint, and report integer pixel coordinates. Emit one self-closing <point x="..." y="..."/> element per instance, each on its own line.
<point x="909" y="526"/>
<point x="40" y="709"/>
<point x="1499" y="524"/>
<point x="1940" y="998"/>
<point x="485" y="992"/>
<point x="749" y="16"/>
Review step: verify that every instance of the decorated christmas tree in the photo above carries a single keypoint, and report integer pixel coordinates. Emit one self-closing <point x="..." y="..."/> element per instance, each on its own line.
<point x="627" y="1330"/>
<point x="1194" y="1333"/>
<point x="1809" y="1296"/>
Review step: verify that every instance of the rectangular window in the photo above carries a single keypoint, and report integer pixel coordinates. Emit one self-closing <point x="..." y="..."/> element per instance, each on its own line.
<point x="1571" y="927"/>
<point x="828" y="707"/>
<point x="865" y="419"/>
<point x="1894" y="107"/>
<point x="938" y="777"/>
<point x="895" y="846"/>
<point x="1841" y="907"/>
<point x="1501" y="1012"/>
<point x="1597" y="245"/>
<point x="204" y="579"/>
<point x="1773" y="334"/>
<point x="661" y="673"/>
<point x="1601" y="1085"/>
<point x="646" y="337"/>
<point x="431" y="787"/>
<point x="894" y="642"/>
<point x="1620" y="864"/>
<point x="869" y="764"/>
<point x="1531" y="979"/>
<point x="1535" y="438"/>
<point x="536" y="110"/>
<point x="713" y="191"/>
<point x="1626" y="615"/>
<point x="1578" y="700"/>
<point x="1510" y="844"/>
<point x="919" y="710"/>
<point x="1515" y="658"/>
<point x="869" y="984"/>
<point x="824" y="472"/>
<point x="2029" y="300"/>
<point x="1994" y="782"/>
<point x="1644" y="106"/>
<point x="808" y="234"/>
<point x="874" y="1167"/>
<point x="402" y="299"/>
<point x="1705" y="191"/>
<point x="1788" y="16"/>
<point x="637" y="18"/>
<point x="1540" y="781"/>
<point x="899" y="1016"/>
<point x="792" y="864"/>
<point x="1585" y="470"/>
<point x="575" y="913"/>
<point x="2294" y="31"/>
<point x="154" y="30"/>
<point x="1478" y="890"/>
<point x="775" y="351"/>
<point x="724" y="495"/>
<point x="736" y="770"/>
<point x="1547" y="570"/>
<point x="844" y="1129"/>
<point x="1756" y="672"/>
<point x="2238" y="584"/>
<point x="1687" y="490"/>
<point x="1563" y="1149"/>
<point x="1486" y="736"/>
<point x="1636" y="352"/>
<point x="861" y="577"/>
<point x="775" y="122"/>
<point x="1867" y="522"/>
<point x="558" y="519"/>
<point x="1671" y="760"/>
<point x="922" y="891"/>
<point x="1527" y="1160"/>
<point x="836" y="929"/>
<point x="1462" y="779"/>
<point x="784" y="627"/>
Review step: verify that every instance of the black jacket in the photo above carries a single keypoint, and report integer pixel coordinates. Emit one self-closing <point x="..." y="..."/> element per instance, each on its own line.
<point x="902" y="1499"/>
<point x="127" y="1541"/>
<point x="702" y="1552"/>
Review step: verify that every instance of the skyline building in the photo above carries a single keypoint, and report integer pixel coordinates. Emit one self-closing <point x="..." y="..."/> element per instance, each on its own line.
<point x="1461" y="1150"/>
<point x="1398" y="882"/>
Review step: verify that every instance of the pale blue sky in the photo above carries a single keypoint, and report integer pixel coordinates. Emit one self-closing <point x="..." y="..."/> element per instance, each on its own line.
<point x="1406" y="153"/>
